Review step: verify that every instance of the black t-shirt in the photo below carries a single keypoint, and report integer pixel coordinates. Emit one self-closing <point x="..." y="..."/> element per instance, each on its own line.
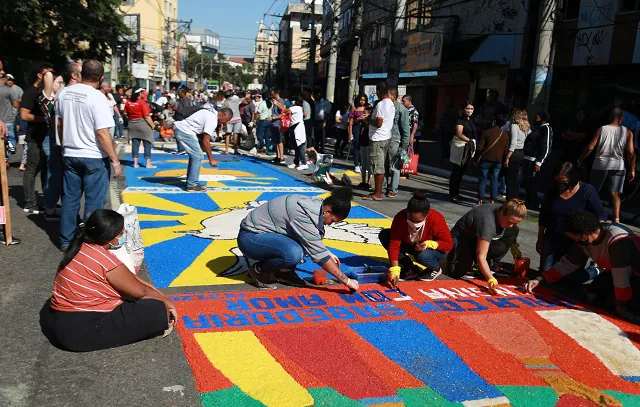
<point x="36" y="131"/>
<point x="469" y="128"/>
<point x="480" y="222"/>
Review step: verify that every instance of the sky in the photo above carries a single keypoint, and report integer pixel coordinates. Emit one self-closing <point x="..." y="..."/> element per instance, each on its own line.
<point x="231" y="18"/>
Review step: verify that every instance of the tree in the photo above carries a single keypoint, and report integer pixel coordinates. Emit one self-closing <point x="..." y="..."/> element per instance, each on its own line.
<point x="55" y="30"/>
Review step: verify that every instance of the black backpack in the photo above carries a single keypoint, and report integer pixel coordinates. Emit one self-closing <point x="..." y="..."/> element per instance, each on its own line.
<point x="182" y="112"/>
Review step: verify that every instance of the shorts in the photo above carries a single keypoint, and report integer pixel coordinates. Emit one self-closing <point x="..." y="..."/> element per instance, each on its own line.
<point x="378" y="155"/>
<point x="234" y="128"/>
<point x="613" y="180"/>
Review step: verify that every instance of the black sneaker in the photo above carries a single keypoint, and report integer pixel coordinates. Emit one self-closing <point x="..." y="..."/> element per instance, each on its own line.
<point x="3" y="241"/>
<point x="264" y="281"/>
<point x="32" y="210"/>
<point x="276" y="160"/>
<point x="408" y="269"/>
<point x="52" y="216"/>
<point x="430" y="275"/>
<point x="197" y="188"/>
<point x="289" y="277"/>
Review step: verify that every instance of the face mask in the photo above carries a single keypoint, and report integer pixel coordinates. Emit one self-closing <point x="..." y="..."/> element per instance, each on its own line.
<point x="121" y="241"/>
<point x="564" y="186"/>
<point x="469" y="112"/>
<point x="415" y="226"/>
<point x="583" y="242"/>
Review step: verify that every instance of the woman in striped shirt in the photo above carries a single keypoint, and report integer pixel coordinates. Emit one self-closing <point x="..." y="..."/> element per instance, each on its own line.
<point x="97" y="303"/>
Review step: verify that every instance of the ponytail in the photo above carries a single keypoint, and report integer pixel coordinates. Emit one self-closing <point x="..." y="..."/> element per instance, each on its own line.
<point x="340" y="201"/>
<point x="102" y="226"/>
<point x="419" y="203"/>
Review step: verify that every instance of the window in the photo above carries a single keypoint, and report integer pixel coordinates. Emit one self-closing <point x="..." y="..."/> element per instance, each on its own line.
<point x="259" y="47"/>
<point x="571" y="9"/>
<point x="418" y="13"/>
<point x="305" y="43"/>
<point x="629" y="5"/>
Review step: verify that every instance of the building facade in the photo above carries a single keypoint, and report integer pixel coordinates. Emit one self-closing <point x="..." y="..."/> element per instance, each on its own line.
<point x="265" y="53"/>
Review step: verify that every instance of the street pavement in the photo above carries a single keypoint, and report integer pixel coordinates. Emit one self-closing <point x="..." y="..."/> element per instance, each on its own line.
<point x="153" y="372"/>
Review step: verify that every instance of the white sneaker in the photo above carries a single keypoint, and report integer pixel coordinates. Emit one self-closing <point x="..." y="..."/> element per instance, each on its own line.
<point x="302" y="167"/>
<point x="357" y="170"/>
<point x="292" y="166"/>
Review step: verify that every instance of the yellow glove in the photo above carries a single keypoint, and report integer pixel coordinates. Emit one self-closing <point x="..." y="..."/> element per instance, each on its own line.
<point x="430" y="244"/>
<point x="492" y="284"/>
<point x="515" y="251"/>
<point x="394" y="275"/>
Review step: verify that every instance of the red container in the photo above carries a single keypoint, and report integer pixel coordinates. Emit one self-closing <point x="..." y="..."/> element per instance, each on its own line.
<point x="521" y="266"/>
<point x="319" y="277"/>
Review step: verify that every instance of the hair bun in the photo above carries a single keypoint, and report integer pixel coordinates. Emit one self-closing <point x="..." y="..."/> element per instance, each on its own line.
<point x="420" y="194"/>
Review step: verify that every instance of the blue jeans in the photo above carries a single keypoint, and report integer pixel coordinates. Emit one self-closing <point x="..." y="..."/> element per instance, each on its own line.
<point x="489" y="172"/>
<point x="53" y="186"/>
<point x="192" y="147"/>
<point x="119" y="129"/>
<point x="429" y="258"/>
<point x="135" y="148"/>
<point x="355" y="144"/>
<point x="11" y="134"/>
<point x="273" y="251"/>
<point x="88" y="175"/>
<point x="264" y="133"/>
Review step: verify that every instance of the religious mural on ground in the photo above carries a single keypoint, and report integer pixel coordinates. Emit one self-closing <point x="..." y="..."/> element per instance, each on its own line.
<point x="444" y="343"/>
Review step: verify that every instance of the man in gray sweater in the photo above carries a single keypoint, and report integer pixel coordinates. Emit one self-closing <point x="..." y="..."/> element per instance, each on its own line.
<point x="400" y="135"/>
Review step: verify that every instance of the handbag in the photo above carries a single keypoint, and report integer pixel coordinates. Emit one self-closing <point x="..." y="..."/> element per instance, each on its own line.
<point x="132" y="252"/>
<point x="411" y="166"/>
<point x="476" y="161"/>
<point x="285" y="122"/>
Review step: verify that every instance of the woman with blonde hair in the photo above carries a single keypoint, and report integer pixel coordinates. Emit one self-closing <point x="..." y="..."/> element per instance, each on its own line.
<point x="483" y="236"/>
<point x="514" y="160"/>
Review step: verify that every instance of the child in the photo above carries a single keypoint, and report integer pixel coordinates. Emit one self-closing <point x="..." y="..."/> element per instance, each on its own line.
<point x="365" y="152"/>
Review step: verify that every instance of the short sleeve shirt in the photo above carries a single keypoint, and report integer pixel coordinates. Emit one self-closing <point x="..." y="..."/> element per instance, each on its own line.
<point x="36" y="131"/>
<point x="479" y="222"/>
<point x="7" y="97"/>
<point x="202" y="121"/>
<point x="137" y="110"/>
<point x="82" y="285"/>
<point x="387" y="111"/>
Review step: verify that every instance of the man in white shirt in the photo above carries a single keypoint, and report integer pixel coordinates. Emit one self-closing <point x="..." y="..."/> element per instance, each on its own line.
<point x="107" y="90"/>
<point x="200" y="125"/>
<point x="380" y="125"/>
<point x="84" y="120"/>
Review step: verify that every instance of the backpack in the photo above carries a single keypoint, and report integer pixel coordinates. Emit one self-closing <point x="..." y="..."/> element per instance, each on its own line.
<point x="182" y="112"/>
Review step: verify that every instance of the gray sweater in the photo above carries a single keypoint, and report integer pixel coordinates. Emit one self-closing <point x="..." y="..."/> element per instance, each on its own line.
<point x="296" y="216"/>
<point x="517" y="137"/>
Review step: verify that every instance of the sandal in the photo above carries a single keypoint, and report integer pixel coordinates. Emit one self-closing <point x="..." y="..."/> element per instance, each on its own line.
<point x="392" y="194"/>
<point x="371" y="197"/>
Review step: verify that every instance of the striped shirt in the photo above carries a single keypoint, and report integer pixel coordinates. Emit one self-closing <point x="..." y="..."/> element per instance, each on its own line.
<point x="296" y="216"/>
<point x="82" y="285"/>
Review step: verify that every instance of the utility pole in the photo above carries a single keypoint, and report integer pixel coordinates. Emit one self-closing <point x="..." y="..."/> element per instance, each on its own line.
<point x="355" y="53"/>
<point x="166" y="55"/>
<point x="114" y="63"/>
<point x="312" y="46"/>
<point x="397" y="37"/>
<point x="333" y="56"/>
<point x="540" y="87"/>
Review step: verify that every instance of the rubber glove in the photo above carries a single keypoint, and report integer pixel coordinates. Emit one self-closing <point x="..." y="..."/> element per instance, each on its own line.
<point x="492" y="284"/>
<point x="394" y="276"/>
<point x="430" y="244"/>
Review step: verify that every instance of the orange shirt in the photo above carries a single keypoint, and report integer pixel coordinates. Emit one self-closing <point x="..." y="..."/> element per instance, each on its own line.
<point x="82" y="285"/>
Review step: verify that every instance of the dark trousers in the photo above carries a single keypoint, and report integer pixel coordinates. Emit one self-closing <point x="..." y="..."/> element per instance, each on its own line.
<point x="530" y="185"/>
<point x="515" y="164"/>
<point x="342" y="137"/>
<point x="429" y="258"/>
<point x="463" y="255"/>
<point x="457" y="172"/>
<point x="300" y="157"/>
<point x="88" y="331"/>
<point x="318" y="136"/>
<point x="308" y="129"/>
<point x="36" y="163"/>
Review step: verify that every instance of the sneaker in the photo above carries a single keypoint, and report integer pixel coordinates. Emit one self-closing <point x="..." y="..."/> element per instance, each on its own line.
<point x="283" y="161"/>
<point x="289" y="277"/>
<point x="357" y="170"/>
<point x="275" y="161"/>
<point x="430" y="275"/>
<point x="10" y="147"/>
<point x="52" y="215"/>
<point x="474" y="274"/>
<point x="32" y="210"/>
<point x="3" y="241"/>
<point x="262" y="280"/>
<point x="292" y="166"/>
<point x="183" y="152"/>
<point x="364" y="185"/>
<point x="197" y="188"/>
<point x="302" y="167"/>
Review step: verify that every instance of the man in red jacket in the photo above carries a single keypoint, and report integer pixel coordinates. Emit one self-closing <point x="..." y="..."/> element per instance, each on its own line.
<point x="421" y="232"/>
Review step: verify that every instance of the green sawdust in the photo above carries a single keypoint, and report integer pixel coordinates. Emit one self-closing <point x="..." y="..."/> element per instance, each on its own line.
<point x="229" y="397"/>
<point x="424" y="396"/>
<point x="530" y="396"/>
<point x="328" y="397"/>
<point x="627" y="400"/>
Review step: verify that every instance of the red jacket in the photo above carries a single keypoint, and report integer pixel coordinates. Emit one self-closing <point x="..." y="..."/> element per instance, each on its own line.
<point x="435" y="228"/>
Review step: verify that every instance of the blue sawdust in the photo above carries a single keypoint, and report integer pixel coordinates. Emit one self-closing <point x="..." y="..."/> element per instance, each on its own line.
<point x="167" y="260"/>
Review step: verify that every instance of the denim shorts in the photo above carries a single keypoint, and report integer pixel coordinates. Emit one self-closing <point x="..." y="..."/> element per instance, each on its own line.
<point x="235" y="128"/>
<point x="611" y="180"/>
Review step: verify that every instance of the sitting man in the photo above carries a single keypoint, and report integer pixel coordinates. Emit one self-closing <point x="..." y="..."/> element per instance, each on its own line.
<point x="194" y="133"/>
<point x="483" y="236"/>
<point x="613" y="247"/>
<point x="420" y="231"/>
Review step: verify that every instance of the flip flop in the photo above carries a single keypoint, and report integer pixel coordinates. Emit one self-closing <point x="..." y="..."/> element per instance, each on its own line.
<point x="371" y="197"/>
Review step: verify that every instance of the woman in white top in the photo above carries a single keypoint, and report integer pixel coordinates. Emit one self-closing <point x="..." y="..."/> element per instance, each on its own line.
<point x="298" y="133"/>
<point x="342" y="129"/>
<point x="518" y="132"/>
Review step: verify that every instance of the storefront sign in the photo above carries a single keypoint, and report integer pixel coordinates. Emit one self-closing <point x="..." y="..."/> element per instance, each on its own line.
<point x="595" y="32"/>
<point x="424" y="51"/>
<point x="140" y="71"/>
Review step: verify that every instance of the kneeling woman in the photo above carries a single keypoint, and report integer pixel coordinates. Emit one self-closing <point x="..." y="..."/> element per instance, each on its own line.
<point x="420" y="231"/>
<point x="97" y="303"/>
<point x="278" y="233"/>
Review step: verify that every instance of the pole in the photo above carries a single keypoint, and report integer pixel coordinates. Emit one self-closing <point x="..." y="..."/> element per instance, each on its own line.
<point x="397" y="37"/>
<point x="4" y="184"/>
<point x="540" y="87"/>
<point x="167" y="63"/>
<point x="333" y="56"/>
<point x="114" y="64"/>
<point x="312" y="46"/>
<point x="355" y="53"/>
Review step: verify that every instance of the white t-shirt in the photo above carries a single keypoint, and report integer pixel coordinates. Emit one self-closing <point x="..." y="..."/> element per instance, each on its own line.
<point x="84" y="110"/>
<point x="387" y="111"/>
<point x="297" y="116"/>
<point x="345" y="119"/>
<point x="202" y="121"/>
<point x="112" y="102"/>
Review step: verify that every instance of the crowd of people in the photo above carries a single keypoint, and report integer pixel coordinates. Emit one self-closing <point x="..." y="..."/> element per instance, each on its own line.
<point x="72" y="120"/>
